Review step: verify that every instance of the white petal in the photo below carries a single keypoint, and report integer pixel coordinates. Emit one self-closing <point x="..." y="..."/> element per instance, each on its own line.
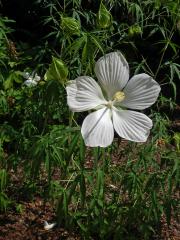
<point x="30" y="83"/>
<point x="84" y="94"/>
<point x="97" y="128"/>
<point x="140" y="92"/>
<point x="131" y="125"/>
<point x="26" y="75"/>
<point x="37" y="78"/>
<point x="112" y="71"/>
<point x="48" y="226"/>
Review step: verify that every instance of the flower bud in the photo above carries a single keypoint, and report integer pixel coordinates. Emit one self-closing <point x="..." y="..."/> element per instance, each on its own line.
<point x="70" y="25"/>
<point x="57" y="71"/>
<point x="104" y="17"/>
<point x="134" y="30"/>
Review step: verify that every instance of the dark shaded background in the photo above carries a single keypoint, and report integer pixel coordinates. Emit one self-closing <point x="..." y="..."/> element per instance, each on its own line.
<point x="29" y="28"/>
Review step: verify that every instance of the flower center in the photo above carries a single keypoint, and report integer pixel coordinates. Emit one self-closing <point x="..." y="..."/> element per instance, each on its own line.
<point x="109" y="104"/>
<point x="118" y="96"/>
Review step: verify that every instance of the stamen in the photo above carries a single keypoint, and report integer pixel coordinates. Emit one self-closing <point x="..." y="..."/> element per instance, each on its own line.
<point x="119" y="96"/>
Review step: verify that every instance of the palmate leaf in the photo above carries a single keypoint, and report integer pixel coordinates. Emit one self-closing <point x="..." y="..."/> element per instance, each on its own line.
<point x="174" y="69"/>
<point x="52" y="149"/>
<point x="173" y="7"/>
<point x="87" y="46"/>
<point x="90" y="50"/>
<point x="155" y="28"/>
<point x="167" y="42"/>
<point x="137" y="11"/>
<point x="174" y="46"/>
<point x="96" y="41"/>
<point x="78" y="44"/>
<point x="58" y="156"/>
<point x="174" y="73"/>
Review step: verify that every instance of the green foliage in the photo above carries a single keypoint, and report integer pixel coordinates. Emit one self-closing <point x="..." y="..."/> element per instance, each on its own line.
<point x="104" y="17"/>
<point x="4" y="201"/>
<point x="177" y="140"/>
<point x="4" y="42"/>
<point x="120" y="192"/>
<point x="128" y="197"/>
<point x="70" y="26"/>
<point x="57" y="71"/>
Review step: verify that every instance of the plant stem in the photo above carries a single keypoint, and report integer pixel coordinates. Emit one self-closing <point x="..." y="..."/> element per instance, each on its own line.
<point x="165" y="48"/>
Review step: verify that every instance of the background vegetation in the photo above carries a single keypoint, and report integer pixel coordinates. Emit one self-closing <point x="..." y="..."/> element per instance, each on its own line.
<point x="120" y="192"/>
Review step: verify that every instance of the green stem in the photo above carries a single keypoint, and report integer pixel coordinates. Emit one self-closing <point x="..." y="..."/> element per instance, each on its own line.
<point x="97" y="157"/>
<point x="164" y="50"/>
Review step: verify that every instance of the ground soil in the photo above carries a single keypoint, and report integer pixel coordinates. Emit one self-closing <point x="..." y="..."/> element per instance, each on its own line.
<point x="27" y="222"/>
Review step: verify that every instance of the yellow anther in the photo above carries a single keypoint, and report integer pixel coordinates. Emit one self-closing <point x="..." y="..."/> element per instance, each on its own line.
<point x="119" y="96"/>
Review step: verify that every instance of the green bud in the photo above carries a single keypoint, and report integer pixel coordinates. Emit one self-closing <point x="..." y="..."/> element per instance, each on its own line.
<point x="134" y="30"/>
<point x="57" y="71"/>
<point x="104" y="17"/>
<point x="70" y="25"/>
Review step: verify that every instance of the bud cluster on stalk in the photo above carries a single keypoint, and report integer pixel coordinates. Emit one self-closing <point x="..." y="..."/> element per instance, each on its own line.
<point x="57" y="71"/>
<point x="104" y="17"/>
<point x="70" y="26"/>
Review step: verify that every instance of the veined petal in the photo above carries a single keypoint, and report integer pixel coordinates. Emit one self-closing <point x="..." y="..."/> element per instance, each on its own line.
<point x="84" y="94"/>
<point x="140" y="92"/>
<point x="97" y="128"/>
<point x="112" y="71"/>
<point x="131" y="125"/>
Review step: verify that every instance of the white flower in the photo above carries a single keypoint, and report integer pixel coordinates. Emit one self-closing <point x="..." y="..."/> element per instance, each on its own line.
<point x="37" y="78"/>
<point x="30" y="82"/>
<point x="110" y="102"/>
<point x="48" y="226"/>
<point x="31" y="79"/>
<point x="26" y="75"/>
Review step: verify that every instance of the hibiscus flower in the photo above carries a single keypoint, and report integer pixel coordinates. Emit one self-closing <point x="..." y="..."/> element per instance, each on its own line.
<point x="110" y="99"/>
